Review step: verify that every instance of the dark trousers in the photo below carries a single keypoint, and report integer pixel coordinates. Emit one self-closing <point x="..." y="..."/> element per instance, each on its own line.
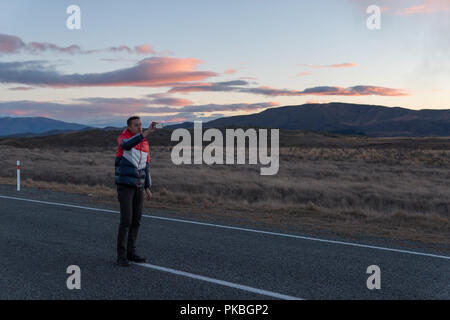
<point x="131" y="202"/>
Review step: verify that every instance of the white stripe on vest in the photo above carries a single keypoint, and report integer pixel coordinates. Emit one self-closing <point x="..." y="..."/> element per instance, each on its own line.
<point x="136" y="157"/>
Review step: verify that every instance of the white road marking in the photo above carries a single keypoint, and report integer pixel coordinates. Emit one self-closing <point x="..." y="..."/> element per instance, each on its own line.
<point x="220" y="282"/>
<point x="241" y="229"/>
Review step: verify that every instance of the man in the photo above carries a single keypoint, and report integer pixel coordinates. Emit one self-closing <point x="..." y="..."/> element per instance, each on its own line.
<point x="132" y="177"/>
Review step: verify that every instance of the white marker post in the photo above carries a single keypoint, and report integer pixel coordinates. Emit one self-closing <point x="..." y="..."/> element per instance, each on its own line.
<point x="18" y="175"/>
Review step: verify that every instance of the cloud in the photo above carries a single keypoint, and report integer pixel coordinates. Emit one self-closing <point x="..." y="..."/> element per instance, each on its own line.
<point x="351" y="91"/>
<point x="427" y="6"/>
<point x="37" y="47"/>
<point x="303" y="74"/>
<point x="172" y="101"/>
<point x="165" y="99"/>
<point x="141" y="49"/>
<point x="94" y="108"/>
<point x="10" y="44"/>
<point x="175" y="120"/>
<point x="316" y="101"/>
<point x="223" y="86"/>
<point x="149" y="72"/>
<point x="144" y="49"/>
<point x="361" y="90"/>
<point x="119" y="60"/>
<point x="230" y="71"/>
<point x="339" y="65"/>
<point x="230" y="107"/>
<point x="232" y="83"/>
<point x="154" y="99"/>
<point x="21" y="88"/>
<point x="241" y="86"/>
<point x="420" y="7"/>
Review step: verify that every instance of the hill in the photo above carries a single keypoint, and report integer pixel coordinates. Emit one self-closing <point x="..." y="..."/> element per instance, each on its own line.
<point x="344" y="118"/>
<point x="25" y="126"/>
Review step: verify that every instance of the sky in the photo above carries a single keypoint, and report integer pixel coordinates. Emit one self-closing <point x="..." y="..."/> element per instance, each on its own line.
<point x="174" y="61"/>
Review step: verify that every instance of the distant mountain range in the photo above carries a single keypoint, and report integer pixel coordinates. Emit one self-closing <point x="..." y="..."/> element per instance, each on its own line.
<point x="26" y="126"/>
<point x="342" y="118"/>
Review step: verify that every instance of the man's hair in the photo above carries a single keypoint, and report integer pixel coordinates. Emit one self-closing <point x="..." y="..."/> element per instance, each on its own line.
<point x="130" y="119"/>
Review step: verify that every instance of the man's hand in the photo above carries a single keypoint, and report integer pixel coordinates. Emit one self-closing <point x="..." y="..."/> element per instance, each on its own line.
<point x="149" y="193"/>
<point x="150" y="129"/>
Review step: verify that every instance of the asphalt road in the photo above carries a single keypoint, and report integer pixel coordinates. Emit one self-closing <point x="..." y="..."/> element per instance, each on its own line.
<point x="38" y="241"/>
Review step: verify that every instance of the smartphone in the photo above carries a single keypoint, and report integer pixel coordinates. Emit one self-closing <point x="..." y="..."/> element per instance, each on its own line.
<point x="159" y="126"/>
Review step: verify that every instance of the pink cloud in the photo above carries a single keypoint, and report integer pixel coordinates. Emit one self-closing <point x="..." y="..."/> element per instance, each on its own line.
<point x="419" y="6"/>
<point x="316" y="101"/>
<point x="175" y="120"/>
<point x="19" y="113"/>
<point x="340" y="65"/>
<point x="177" y="102"/>
<point x="144" y="49"/>
<point x="230" y="71"/>
<point x="427" y="6"/>
<point x="149" y="72"/>
<point x="360" y="90"/>
<point x="10" y="44"/>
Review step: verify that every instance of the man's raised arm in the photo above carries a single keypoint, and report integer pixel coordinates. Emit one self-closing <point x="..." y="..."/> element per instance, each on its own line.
<point x="127" y="144"/>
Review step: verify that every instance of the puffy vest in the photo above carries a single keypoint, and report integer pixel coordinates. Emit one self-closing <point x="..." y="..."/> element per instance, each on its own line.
<point x="132" y="160"/>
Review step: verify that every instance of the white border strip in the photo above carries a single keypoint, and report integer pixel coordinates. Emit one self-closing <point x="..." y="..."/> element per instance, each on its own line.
<point x="241" y="229"/>
<point x="220" y="282"/>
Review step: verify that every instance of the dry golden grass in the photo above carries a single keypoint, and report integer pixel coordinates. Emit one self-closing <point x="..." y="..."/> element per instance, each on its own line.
<point x="400" y="193"/>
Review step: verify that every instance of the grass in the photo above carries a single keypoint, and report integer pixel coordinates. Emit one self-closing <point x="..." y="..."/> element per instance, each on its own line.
<point x="351" y="186"/>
